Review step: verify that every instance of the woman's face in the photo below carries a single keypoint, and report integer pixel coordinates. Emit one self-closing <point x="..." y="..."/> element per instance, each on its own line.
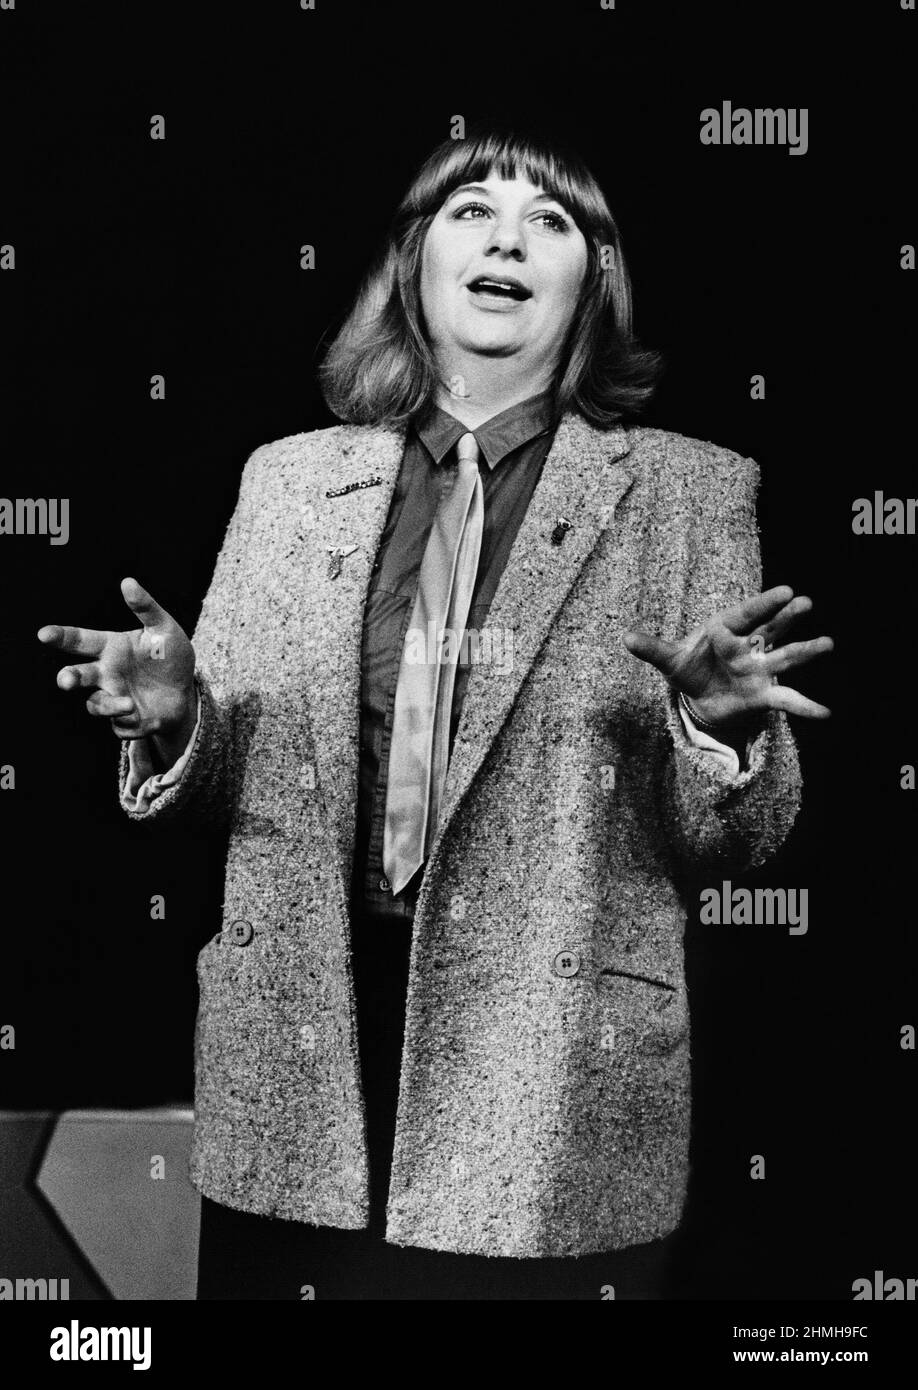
<point x="501" y="272"/>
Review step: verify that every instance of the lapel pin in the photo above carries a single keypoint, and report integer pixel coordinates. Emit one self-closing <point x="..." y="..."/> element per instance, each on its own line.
<point x="561" y="529"/>
<point x="337" y="553"/>
<point x="372" y="481"/>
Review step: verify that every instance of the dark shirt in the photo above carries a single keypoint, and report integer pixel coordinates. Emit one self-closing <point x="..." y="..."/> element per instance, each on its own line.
<point x="512" y="449"/>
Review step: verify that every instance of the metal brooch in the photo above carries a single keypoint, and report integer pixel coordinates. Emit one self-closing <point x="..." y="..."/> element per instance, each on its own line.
<point x="372" y="481"/>
<point x="336" y="554"/>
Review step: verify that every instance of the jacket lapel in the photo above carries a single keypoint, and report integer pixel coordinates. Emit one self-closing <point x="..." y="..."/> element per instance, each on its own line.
<point x="332" y="615"/>
<point x="582" y="479"/>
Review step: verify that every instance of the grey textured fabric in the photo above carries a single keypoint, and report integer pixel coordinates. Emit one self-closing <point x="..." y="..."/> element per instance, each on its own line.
<point x="545" y="1088"/>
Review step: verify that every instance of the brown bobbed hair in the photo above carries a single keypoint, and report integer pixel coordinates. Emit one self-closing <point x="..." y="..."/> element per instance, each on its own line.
<point x="380" y="370"/>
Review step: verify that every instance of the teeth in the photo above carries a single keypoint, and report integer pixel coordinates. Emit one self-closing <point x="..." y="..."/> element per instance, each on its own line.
<point x="498" y="284"/>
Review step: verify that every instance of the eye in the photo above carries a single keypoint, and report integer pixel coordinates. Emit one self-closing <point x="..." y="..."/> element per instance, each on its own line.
<point x="556" y="221"/>
<point x="473" y="212"/>
<point x="470" y="207"/>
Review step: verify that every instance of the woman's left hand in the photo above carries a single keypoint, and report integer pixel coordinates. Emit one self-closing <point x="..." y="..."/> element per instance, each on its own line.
<point x="729" y="666"/>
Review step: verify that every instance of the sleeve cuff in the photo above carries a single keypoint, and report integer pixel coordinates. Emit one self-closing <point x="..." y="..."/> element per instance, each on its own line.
<point x="722" y="751"/>
<point x="142" y="784"/>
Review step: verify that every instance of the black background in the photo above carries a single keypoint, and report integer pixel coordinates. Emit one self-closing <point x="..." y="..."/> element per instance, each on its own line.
<point x="181" y="256"/>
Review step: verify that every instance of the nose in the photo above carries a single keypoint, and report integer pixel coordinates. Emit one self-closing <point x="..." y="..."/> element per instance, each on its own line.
<point x="506" y="239"/>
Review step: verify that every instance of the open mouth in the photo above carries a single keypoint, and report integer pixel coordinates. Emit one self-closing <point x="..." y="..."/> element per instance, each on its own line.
<point x="501" y="288"/>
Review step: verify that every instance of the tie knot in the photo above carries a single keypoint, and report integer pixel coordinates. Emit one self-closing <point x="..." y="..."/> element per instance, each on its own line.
<point x="467" y="448"/>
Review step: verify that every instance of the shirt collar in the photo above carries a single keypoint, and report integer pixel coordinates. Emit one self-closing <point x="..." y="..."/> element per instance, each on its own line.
<point x="439" y="431"/>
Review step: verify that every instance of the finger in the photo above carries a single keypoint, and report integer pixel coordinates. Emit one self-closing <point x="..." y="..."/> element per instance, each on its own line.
<point x="105" y="706"/>
<point x="796" y="653"/>
<point x="85" y="677"/>
<point x="792" y="702"/>
<point x="79" y="641"/>
<point x="779" y="624"/>
<point x="144" y="605"/>
<point x="657" y="650"/>
<point x="758" y="608"/>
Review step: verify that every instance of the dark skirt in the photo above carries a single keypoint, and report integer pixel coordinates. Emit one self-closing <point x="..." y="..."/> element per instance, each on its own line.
<point x="242" y="1256"/>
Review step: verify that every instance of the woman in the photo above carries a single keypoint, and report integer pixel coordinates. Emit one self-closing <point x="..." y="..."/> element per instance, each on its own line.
<point x="479" y="673"/>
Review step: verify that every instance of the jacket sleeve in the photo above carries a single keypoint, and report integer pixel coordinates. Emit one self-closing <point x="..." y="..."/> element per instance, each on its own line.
<point x="144" y="782"/>
<point x="205" y="787"/>
<point x="719" y="816"/>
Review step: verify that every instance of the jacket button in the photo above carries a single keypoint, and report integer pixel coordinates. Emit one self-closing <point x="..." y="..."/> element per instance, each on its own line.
<point x="241" y="933"/>
<point x="566" y="963"/>
<point x="384" y="884"/>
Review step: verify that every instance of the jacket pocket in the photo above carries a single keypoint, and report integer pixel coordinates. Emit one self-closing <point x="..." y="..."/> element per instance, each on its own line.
<point x="641" y="1013"/>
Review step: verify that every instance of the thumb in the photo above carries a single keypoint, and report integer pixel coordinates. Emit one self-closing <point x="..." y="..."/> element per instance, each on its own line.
<point x="656" y="650"/>
<point x="144" y="605"/>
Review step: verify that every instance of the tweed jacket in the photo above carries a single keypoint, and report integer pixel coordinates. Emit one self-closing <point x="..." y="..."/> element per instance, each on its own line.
<point x="544" y="1099"/>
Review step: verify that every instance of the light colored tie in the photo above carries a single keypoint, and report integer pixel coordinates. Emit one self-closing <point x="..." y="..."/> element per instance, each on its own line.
<point x="419" y="750"/>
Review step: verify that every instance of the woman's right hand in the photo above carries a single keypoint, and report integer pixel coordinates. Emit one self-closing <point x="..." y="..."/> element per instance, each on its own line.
<point x="143" y="679"/>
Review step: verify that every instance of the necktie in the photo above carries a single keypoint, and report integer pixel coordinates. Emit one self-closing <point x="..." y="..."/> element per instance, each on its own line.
<point x="419" y="750"/>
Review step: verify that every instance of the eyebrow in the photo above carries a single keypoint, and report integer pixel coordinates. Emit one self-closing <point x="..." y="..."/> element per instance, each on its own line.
<point x="488" y="193"/>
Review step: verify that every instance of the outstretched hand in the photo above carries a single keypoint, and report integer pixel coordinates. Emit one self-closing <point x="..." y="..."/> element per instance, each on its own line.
<point x="729" y="667"/>
<point x="142" y="679"/>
